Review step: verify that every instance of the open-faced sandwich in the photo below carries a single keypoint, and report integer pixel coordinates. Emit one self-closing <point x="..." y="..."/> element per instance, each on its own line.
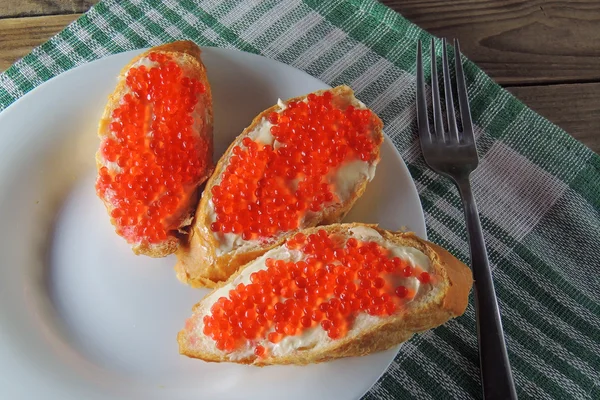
<point x="301" y="163"/>
<point x="156" y="147"/>
<point x="328" y="292"/>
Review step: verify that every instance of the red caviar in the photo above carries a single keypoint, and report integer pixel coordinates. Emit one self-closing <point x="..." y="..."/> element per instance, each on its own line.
<point x="259" y="351"/>
<point x="424" y="277"/>
<point x="401" y="292"/>
<point x="155" y="154"/>
<point x="336" y="281"/>
<point x="265" y="190"/>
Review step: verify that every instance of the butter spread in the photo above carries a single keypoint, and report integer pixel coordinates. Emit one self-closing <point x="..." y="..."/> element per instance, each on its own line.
<point x="228" y="241"/>
<point x="146" y="62"/>
<point x="345" y="178"/>
<point x="315" y="336"/>
<point x="348" y="174"/>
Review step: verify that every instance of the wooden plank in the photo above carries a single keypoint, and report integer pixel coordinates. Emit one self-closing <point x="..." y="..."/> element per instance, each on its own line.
<point x="573" y="107"/>
<point x="29" y="8"/>
<point x="21" y="35"/>
<point x="517" y="41"/>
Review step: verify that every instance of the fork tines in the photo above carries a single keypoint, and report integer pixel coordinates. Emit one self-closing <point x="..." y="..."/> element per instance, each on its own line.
<point x="439" y="133"/>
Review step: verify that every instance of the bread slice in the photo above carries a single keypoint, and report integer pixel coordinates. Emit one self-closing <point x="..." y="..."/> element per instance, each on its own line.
<point x="444" y="295"/>
<point x="121" y="197"/>
<point x="209" y="257"/>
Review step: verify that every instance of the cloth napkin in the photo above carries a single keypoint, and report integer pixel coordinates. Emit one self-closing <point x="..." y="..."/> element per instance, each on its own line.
<point x="538" y="189"/>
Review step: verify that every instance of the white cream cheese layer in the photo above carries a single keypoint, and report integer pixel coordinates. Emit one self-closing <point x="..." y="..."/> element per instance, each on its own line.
<point x="112" y="166"/>
<point x="146" y="62"/>
<point x="228" y="241"/>
<point x="415" y="258"/>
<point x="315" y="336"/>
<point x="278" y="253"/>
<point x="262" y="133"/>
<point x="344" y="179"/>
<point x="349" y="174"/>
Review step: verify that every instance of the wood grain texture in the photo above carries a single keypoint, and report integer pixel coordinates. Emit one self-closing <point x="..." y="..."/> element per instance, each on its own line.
<point x="516" y="42"/>
<point x="573" y="107"/>
<point x="29" y="8"/>
<point x="551" y="49"/>
<point x="21" y="35"/>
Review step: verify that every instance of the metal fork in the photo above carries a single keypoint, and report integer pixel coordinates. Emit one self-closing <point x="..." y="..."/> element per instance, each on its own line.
<point x="453" y="153"/>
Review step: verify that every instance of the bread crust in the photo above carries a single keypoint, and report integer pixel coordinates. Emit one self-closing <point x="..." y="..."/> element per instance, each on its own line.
<point x="197" y="262"/>
<point x="187" y="55"/>
<point x="451" y="301"/>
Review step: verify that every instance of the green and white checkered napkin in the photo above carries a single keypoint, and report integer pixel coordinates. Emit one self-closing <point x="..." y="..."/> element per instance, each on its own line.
<point x="538" y="189"/>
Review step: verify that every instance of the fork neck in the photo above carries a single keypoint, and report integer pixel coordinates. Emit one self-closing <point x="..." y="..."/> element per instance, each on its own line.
<point x="463" y="184"/>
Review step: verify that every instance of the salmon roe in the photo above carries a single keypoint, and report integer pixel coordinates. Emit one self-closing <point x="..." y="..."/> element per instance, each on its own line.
<point x="267" y="189"/>
<point x="152" y="155"/>
<point x="335" y="282"/>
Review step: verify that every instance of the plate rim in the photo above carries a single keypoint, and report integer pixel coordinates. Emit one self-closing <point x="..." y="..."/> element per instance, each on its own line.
<point x="7" y="112"/>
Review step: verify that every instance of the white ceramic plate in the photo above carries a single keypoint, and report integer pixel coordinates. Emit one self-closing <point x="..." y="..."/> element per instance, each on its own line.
<point x="81" y="317"/>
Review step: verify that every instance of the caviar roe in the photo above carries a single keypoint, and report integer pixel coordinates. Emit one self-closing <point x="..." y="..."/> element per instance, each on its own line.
<point x="265" y="190"/>
<point x="154" y="154"/>
<point x="334" y="283"/>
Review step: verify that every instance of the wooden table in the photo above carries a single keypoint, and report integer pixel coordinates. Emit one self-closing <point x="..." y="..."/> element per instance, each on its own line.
<point x="547" y="53"/>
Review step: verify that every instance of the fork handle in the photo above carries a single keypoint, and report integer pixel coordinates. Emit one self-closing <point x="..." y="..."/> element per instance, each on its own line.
<point x="496" y="376"/>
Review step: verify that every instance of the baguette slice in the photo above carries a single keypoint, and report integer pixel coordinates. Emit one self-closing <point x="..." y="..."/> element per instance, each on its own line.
<point x="156" y="147"/>
<point x="427" y="302"/>
<point x="211" y="256"/>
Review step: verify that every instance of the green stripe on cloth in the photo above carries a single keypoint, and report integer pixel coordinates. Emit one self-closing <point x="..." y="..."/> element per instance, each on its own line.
<point x="538" y="189"/>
